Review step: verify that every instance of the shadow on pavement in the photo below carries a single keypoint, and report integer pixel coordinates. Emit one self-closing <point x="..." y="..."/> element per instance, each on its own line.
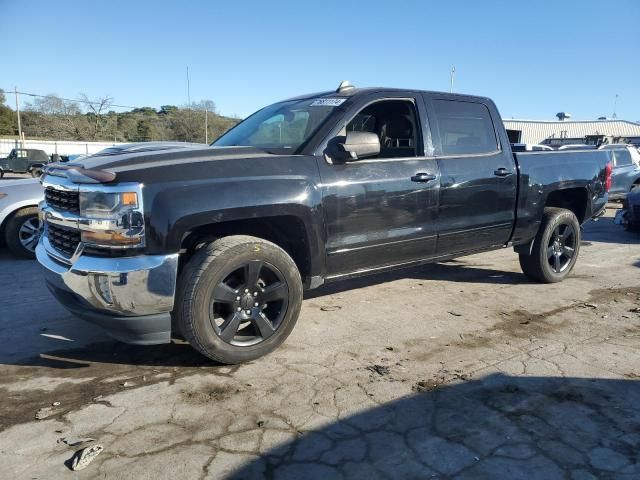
<point x="116" y="353"/>
<point x="450" y="271"/>
<point x="500" y="427"/>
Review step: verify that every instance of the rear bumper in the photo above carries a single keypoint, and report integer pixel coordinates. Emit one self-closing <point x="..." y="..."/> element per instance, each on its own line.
<point x="131" y="298"/>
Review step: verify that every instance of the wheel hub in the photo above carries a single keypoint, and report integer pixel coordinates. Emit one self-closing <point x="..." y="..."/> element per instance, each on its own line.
<point x="247" y="301"/>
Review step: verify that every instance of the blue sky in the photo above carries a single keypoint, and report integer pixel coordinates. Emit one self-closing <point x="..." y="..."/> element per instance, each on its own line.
<point x="533" y="58"/>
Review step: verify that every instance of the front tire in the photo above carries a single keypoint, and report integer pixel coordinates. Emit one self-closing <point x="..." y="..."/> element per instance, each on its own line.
<point x="555" y="248"/>
<point x="22" y="232"/>
<point x="238" y="299"/>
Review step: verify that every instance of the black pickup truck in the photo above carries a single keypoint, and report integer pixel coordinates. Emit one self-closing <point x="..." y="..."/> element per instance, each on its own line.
<point x="218" y="243"/>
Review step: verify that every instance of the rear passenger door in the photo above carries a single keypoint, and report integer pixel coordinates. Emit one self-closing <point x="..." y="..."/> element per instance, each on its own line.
<point x="478" y="179"/>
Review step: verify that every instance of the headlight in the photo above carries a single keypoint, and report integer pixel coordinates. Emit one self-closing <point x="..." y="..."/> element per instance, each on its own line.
<point x="105" y="205"/>
<point x="111" y="219"/>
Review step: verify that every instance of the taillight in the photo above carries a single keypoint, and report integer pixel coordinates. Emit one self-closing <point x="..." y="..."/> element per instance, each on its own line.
<point x="607" y="176"/>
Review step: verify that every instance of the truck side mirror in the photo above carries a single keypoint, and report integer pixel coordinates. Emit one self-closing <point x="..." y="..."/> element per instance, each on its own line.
<point x="359" y="145"/>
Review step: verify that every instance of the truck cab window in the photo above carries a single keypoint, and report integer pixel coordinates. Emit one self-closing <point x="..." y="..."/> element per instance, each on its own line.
<point x="622" y="158"/>
<point x="394" y="121"/>
<point x="465" y="128"/>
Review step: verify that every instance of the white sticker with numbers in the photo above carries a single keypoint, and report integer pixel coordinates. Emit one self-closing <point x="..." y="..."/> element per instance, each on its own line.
<point x="328" y="102"/>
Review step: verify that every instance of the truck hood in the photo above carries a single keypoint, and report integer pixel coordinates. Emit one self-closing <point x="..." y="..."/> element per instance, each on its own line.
<point x="152" y="159"/>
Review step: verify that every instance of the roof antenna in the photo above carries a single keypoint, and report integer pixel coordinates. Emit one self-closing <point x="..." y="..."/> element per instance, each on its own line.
<point x="344" y="86"/>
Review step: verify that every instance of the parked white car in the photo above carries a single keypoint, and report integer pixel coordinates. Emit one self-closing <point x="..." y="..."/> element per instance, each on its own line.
<point x="19" y="223"/>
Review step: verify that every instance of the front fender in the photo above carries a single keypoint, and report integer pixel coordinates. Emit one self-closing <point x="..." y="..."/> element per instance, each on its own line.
<point x="178" y="208"/>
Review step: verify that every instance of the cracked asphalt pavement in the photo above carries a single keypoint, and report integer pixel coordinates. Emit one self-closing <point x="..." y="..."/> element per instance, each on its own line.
<point x="461" y="370"/>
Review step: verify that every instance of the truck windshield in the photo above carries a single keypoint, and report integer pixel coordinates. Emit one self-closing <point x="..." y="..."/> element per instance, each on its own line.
<point x="281" y="126"/>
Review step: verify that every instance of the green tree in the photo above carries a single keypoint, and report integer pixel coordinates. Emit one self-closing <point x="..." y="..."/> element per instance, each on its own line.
<point x="145" y="110"/>
<point x="164" y="109"/>
<point x="8" y="119"/>
<point x="143" y="130"/>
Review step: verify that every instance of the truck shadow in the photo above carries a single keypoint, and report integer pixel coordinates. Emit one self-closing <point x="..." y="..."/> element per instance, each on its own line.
<point x="450" y="271"/>
<point x="498" y="427"/>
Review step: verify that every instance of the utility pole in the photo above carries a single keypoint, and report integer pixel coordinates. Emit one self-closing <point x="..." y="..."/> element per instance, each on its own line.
<point x="615" y="107"/>
<point x="453" y="74"/>
<point x="188" y="89"/>
<point x="206" y="125"/>
<point x="15" y="90"/>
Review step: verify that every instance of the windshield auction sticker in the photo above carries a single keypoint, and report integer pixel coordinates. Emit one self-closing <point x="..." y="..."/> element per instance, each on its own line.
<point x="328" y="102"/>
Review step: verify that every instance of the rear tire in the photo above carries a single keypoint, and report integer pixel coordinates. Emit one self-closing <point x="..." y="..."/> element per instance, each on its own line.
<point x="261" y="275"/>
<point x="555" y="247"/>
<point x="22" y="232"/>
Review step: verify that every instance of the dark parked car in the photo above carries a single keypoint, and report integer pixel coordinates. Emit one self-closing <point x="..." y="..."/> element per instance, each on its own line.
<point x="24" y="160"/>
<point x="629" y="214"/>
<point x="220" y="242"/>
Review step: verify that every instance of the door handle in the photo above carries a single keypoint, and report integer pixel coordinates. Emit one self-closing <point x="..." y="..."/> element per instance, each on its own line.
<point x="502" y="172"/>
<point x="422" y="177"/>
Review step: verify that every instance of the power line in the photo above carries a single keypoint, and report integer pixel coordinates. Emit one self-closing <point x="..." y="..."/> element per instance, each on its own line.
<point x="88" y="102"/>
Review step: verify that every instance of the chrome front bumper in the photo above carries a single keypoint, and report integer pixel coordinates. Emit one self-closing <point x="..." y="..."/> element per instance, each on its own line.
<point x="130" y="297"/>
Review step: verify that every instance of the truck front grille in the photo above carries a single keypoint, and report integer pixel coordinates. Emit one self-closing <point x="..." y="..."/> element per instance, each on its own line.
<point x="68" y="201"/>
<point x="63" y="239"/>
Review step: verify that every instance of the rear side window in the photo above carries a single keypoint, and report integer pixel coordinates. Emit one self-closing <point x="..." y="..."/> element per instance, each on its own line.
<point x="623" y="158"/>
<point x="465" y="128"/>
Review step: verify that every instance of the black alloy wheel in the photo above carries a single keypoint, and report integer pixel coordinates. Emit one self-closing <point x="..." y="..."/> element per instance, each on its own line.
<point x="562" y="247"/>
<point x="238" y="298"/>
<point x="248" y="305"/>
<point x="555" y="248"/>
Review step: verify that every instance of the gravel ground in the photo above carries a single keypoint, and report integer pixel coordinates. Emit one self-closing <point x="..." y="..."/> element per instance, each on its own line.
<point x="456" y="370"/>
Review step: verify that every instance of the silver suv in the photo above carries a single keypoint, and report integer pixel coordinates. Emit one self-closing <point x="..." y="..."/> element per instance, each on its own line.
<point x="626" y="169"/>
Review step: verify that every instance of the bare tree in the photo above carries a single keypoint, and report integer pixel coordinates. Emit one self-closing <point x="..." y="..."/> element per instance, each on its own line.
<point x="96" y="108"/>
<point x="203" y="105"/>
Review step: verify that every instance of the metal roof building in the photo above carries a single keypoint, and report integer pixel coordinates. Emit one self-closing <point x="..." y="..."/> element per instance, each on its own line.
<point x="569" y="131"/>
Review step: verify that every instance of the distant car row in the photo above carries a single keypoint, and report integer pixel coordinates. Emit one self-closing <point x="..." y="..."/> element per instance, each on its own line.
<point x="19" y="198"/>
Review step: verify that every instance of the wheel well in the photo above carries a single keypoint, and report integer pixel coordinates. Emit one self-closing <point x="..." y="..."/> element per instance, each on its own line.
<point x="574" y="199"/>
<point x="6" y="220"/>
<point x="287" y="232"/>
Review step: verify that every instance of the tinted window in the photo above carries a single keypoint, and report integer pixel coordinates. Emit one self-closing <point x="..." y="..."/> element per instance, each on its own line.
<point x="465" y="128"/>
<point x="623" y="158"/>
<point x="395" y="124"/>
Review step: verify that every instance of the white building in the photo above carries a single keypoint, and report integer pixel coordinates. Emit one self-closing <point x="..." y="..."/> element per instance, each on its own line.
<point x="557" y="133"/>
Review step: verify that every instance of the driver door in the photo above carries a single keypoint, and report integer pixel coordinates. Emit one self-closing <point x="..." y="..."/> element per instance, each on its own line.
<point x="18" y="161"/>
<point x="379" y="211"/>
